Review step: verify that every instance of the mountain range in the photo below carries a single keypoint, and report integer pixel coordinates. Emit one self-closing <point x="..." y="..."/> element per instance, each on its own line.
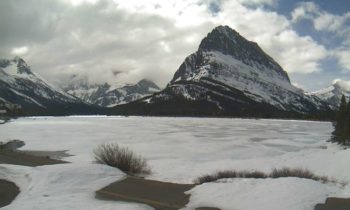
<point x="227" y="76"/>
<point x="106" y="96"/>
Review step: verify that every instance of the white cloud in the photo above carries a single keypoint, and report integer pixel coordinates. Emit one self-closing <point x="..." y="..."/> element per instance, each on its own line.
<point x="342" y="83"/>
<point x="305" y="10"/>
<point x="274" y="34"/>
<point x="334" y="23"/>
<point x="19" y="50"/>
<point x="328" y="22"/>
<point x="344" y="58"/>
<point x="297" y="54"/>
<point x="298" y="85"/>
<point x="139" y="39"/>
<point x="322" y="20"/>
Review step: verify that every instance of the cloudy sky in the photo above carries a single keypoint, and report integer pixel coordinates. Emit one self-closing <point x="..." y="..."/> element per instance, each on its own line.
<point x="123" y="41"/>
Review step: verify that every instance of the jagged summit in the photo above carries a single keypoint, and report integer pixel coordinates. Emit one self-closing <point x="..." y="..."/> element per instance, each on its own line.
<point x="218" y="38"/>
<point x="224" y="47"/>
<point x="229" y="42"/>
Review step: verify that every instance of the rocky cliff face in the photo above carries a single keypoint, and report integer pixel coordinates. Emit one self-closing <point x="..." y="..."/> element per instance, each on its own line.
<point x="229" y="75"/>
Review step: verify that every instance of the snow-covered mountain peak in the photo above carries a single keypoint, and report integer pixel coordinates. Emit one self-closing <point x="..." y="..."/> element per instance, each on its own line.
<point x="333" y="93"/>
<point x="230" y="75"/>
<point x="338" y="87"/>
<point x="229" y="42"/>
<point x="220" y="35"/>
<point x="19" y="85"/>
<point x="229" y="58"/>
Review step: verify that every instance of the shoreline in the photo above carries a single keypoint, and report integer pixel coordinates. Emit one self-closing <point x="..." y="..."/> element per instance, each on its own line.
<point x="176" y="117"/>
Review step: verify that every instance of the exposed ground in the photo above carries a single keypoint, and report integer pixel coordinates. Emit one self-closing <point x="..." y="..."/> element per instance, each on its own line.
<point x="160" y="195"/>
<point x="334" y="204"/>
<point x="8" y="192"/>
<point x="26" y="159"/>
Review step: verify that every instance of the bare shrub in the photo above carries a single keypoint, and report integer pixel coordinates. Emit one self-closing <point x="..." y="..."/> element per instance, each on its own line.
<point x="295" y="172"/>
<point x="205" y="179"/>
<point x="255" y="175"/>
<point x="229" y="174"/>
<point x="300" y="173"/>
<point x="276" y="173"/>
<point x="226" y="174"/>
<point x="122" y="158"/>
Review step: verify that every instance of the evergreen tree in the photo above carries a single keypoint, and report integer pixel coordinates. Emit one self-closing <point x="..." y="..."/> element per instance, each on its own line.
<point x="347" y="125"/>
<point x="342" y="124"/>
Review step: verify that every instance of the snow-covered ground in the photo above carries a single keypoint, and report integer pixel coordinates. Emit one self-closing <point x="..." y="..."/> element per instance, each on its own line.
<point x="179" y="150"/>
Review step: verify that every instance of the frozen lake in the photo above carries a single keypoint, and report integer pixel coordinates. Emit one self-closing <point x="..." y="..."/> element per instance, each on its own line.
<point x="181" y="149"/>
<point x="173" y="144"/>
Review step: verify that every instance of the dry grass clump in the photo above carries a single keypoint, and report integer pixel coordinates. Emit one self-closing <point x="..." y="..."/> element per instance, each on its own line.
<point x="229" y="174"/>
<point x="276" y="173"/>
<point x="297" y="172"/>
<point x="122" y="158"/>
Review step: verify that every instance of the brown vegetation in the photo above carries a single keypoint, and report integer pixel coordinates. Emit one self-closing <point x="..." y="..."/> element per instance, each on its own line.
<point x="276" y="173"/>
<point x="122" y="158"/>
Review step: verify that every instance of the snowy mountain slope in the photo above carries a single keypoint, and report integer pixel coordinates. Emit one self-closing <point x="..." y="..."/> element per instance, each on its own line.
<point x="229" y="75"/>
<point x="106" y="95"/>
<point x="19" y="85"/>
<point x="333" y="93"/>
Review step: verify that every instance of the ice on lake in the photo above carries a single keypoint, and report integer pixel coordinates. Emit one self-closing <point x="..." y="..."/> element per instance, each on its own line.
<point x="174" y="145"/>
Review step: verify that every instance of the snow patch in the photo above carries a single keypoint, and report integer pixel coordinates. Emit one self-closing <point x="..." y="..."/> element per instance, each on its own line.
<point x="263" y="194"/>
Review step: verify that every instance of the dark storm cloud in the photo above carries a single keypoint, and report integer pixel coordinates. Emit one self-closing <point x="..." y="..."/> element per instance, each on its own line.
<point x="25" y="22"/>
